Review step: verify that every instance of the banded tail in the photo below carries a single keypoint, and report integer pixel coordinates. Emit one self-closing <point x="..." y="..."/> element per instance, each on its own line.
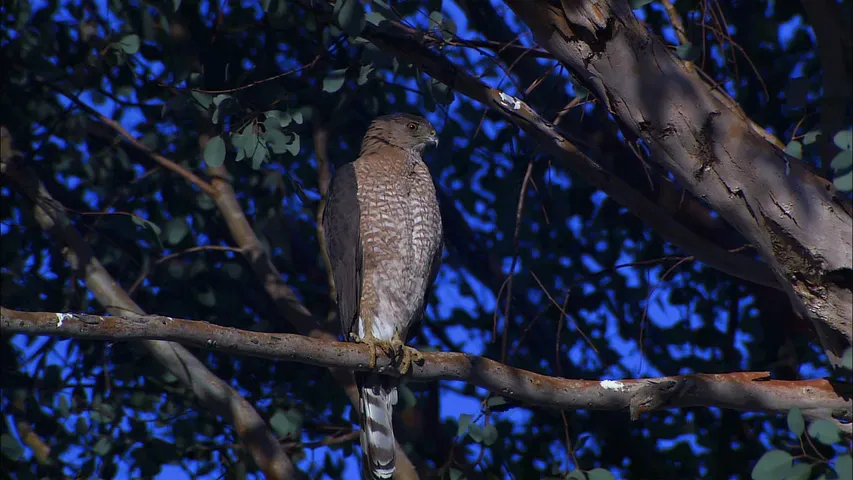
<point x="378" y="395"/>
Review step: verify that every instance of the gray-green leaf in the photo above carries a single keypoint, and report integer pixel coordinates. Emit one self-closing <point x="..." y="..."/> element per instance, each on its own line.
<point x="844" y="139"/>
<point x="334" y="80"/>
<point x="688" y="52"/>
<point x="844" y="466"/>
<point x="800" y="471"/>
<point x="774" y="465"/>
<point x="351" y="17"/>
<point x="796" y="424"/>
<point x="794" y="149"/>
<point x="842" y="160"/>
<point x="599" y="474"/>
<point x="464" y="421"/>
<point x="825" y="431"/>
<point x="129" y="44"/>
<point x="214" y="151"/>
<point x="844" y="183"/>
<point x="176" y="230"/>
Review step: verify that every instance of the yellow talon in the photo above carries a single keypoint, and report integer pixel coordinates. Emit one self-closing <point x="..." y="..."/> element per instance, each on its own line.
<point x="406" y="354"/>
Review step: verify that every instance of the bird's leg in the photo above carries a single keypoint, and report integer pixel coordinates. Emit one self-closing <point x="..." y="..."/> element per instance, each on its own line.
<point x="406" y="354"/>
<point x="373" y="343"/>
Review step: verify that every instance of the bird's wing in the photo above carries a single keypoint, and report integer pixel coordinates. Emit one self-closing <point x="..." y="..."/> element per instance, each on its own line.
<point x="343" y="244"/>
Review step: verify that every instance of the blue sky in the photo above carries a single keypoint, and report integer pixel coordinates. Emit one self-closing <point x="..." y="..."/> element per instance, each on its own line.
<point x="448" y="291"/>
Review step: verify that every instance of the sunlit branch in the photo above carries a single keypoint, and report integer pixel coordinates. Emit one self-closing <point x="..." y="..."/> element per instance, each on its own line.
<point x="742" y="391"/>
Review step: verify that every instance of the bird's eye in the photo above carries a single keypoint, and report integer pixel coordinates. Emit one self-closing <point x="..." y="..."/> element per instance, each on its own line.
<point x="412" y="126"/>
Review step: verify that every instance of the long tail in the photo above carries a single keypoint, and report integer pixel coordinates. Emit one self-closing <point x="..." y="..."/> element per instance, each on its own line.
<point x="378" y="394"/>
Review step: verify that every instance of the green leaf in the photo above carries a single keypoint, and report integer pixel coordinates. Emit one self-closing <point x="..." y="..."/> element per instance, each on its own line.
<point x="843" y="139"/>
<point x="800" y="471"/>
<point x="599" y="474"/>
<point x="129" y="44"/>
<point x="464" y="421"/>
<point x="363" y="73"/>
<point x="214" y="151"/>
<point x="283" y="118"/>
<point x="276" y="139"/>
<point x="146" y="224"/>
<point x="795" y="149"/>
<point x="102" y="447"/>
<point x="475" y="432"/>
<point x="297" y="117"/>
<point x="637" y="4"/>
<point x="11" y="447"/>
<point x="495" y="402"/>
<point x="456" y="474"/>
<point x="176" y="230"/>
<point x="774" y="464"/>
<point x="847" y="359"/>
<point x="265" y="4"/>
<point x="207" y="298"/>
<point x="844" y="183"/>
<point x="435" y="19"/>
<point x="448" y="27"/>
<point x="374" y="18"/>
<point x="576" y="474"/>
<point x="688" y="52"/>
<point x="350" y="16"/>
<point x="260" y="156"/>
<point x="334" y="80"/>
<point x="203" y="99"/>
<point x="293" y="146"/>
<point x="842" y="160"/>
<point x="176" y="4"/>
<point x="825" y="431"/>
<point x="811" y="137"/>
<point x="796" y="424"/>
<point x="287" y="424"/>
<point x="844" y="466"/>
<point x="490" y="434"/>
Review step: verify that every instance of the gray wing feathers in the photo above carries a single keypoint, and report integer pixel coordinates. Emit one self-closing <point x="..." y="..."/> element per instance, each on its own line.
<point x="343" y="244"/>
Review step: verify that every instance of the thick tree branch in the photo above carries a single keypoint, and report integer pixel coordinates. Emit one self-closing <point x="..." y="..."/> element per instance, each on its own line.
<point x="794" y="218"/>
<point x="211" y="391"/>
<point x="742" y="391"/>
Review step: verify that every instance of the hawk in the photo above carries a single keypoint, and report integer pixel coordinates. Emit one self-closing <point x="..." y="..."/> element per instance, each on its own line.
<point x="384" y="241"/>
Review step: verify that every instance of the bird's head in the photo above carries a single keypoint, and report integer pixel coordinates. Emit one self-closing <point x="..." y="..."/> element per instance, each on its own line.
<point x="402" y="130"/>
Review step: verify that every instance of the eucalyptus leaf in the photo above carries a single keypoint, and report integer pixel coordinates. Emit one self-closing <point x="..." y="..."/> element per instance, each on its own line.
<point x="334" y="80"/>
<point x="214" y="151"/>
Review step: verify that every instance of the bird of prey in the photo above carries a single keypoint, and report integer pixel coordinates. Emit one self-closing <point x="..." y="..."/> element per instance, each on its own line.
<point x="384" y="241"/>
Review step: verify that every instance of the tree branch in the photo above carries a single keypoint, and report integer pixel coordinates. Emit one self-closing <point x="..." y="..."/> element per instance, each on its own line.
<point x="211" y="391"/>
<point x="407" y="43"/>
<point x="792" y="217"/>
<point x="742" y="391"/>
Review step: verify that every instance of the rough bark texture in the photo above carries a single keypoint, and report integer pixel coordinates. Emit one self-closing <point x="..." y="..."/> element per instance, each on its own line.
<point x="790" y="215"/>
<point x="743" y="391"/>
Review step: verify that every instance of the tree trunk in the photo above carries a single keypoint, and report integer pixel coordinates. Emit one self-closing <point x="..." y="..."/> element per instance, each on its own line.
<point x="792" y="217"/>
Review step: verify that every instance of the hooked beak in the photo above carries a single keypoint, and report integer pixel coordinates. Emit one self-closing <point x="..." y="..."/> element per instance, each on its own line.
<point x="433" y="139"/>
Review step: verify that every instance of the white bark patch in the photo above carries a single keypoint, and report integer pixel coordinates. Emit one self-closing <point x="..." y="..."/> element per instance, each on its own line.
<point x="613" y="385"/>
<point x="60" y="317"/>
<point x="510" y="101"/>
